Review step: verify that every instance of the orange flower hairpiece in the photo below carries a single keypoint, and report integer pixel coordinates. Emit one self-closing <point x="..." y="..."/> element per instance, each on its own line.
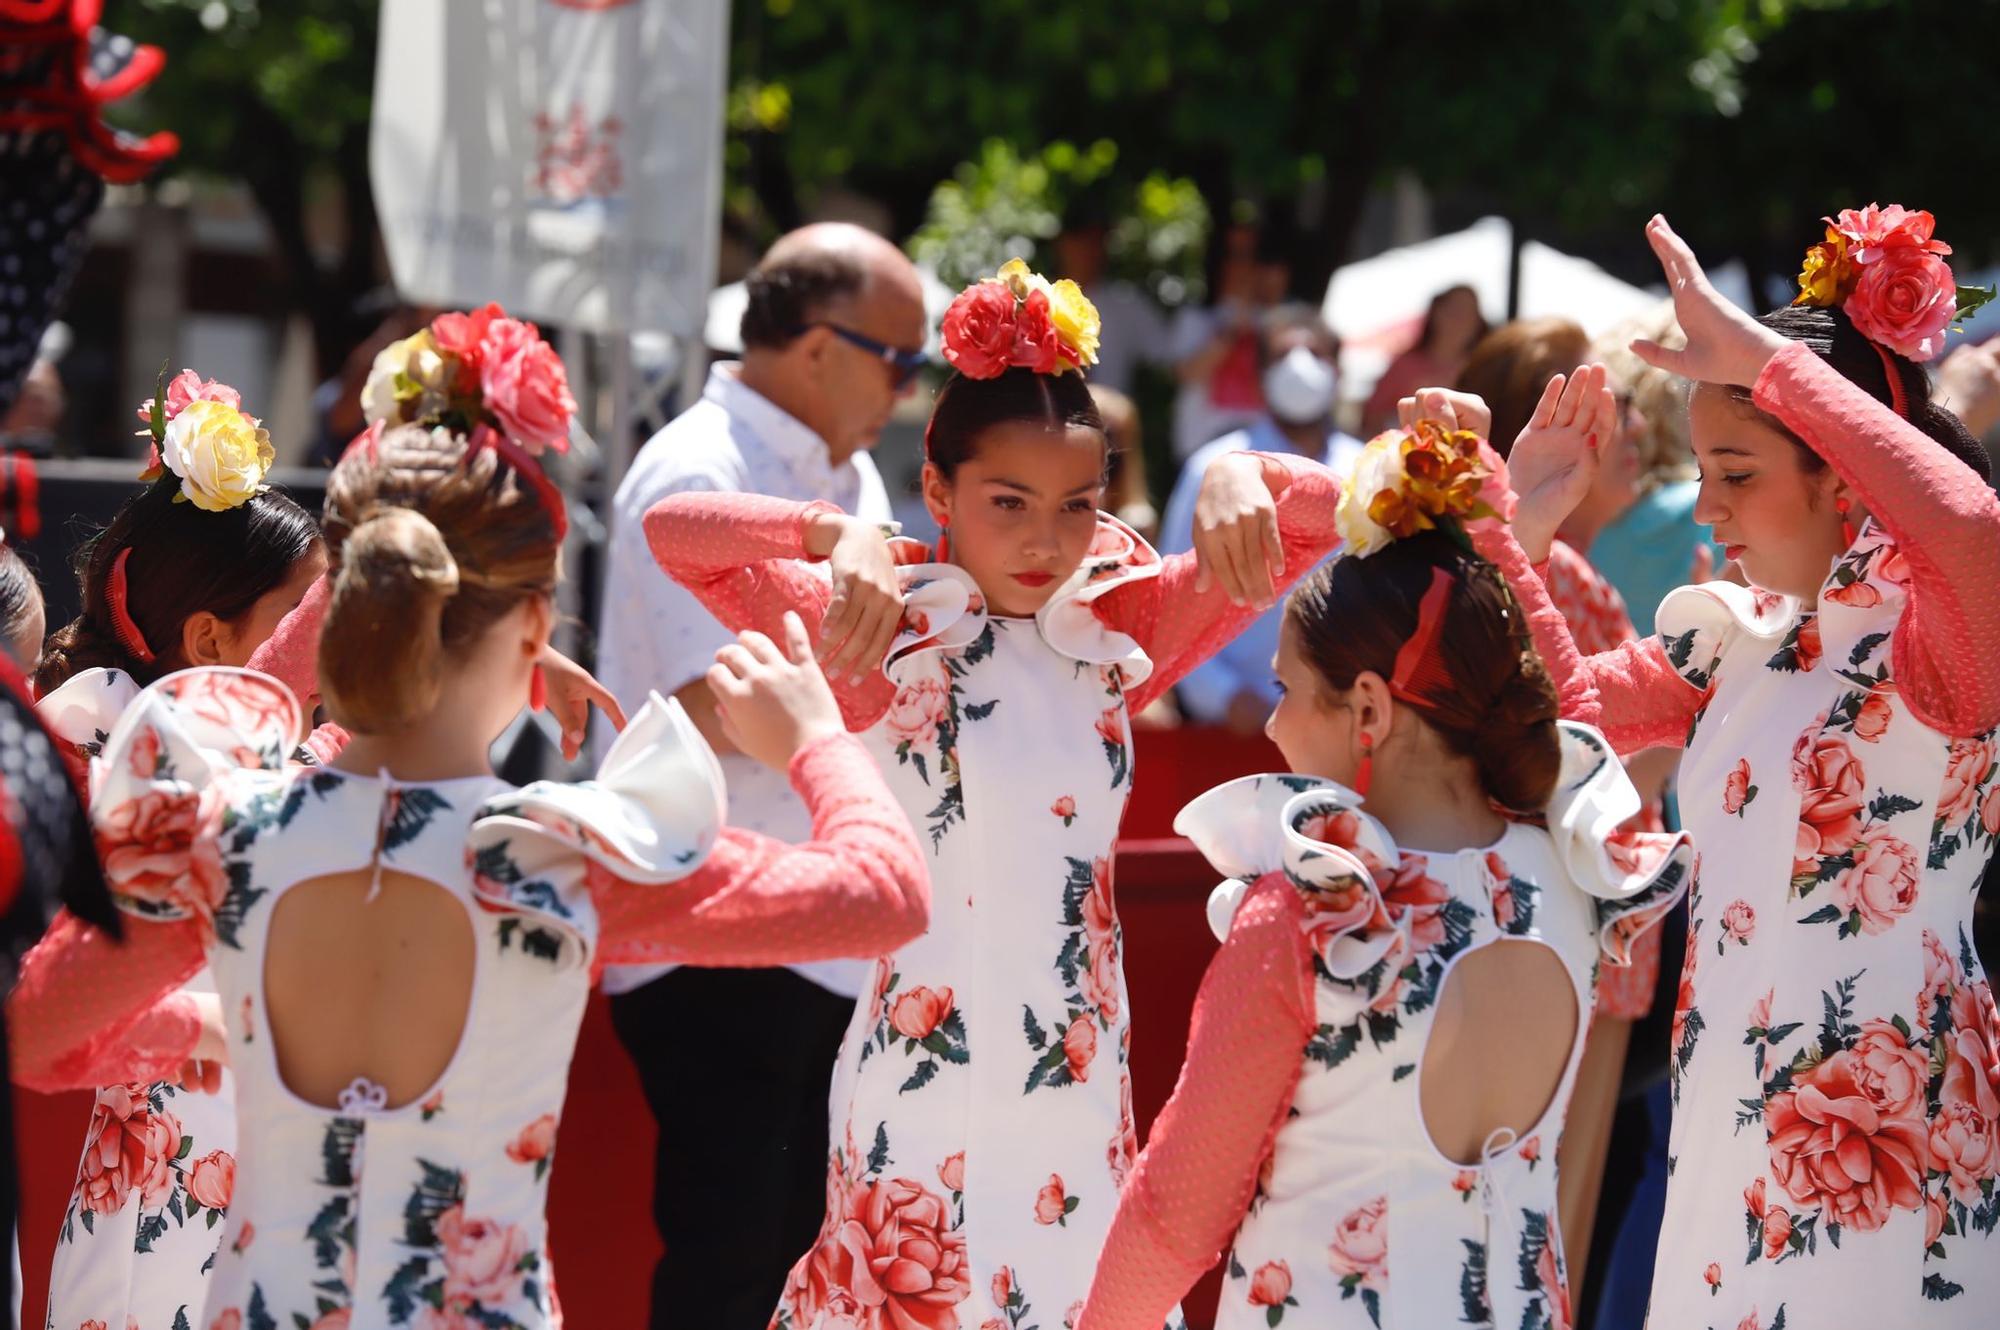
<point x="1408" y="481"/>
<point x="1885" y="269"/>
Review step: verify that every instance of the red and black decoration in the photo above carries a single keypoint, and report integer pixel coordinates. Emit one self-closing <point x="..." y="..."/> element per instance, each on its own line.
<point x="58" y="70"/>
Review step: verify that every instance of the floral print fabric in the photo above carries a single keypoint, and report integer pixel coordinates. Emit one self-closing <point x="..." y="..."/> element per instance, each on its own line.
<point x="997" y="1043"/>
<point x="431" y="1213"/>
<point x="142" y="1226"/>
<point x="1836" y="1138"/>
<point x="982" y="1100"/>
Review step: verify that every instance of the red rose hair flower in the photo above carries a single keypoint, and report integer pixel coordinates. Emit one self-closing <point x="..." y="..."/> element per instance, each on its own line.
<point x="1884" y="267"/>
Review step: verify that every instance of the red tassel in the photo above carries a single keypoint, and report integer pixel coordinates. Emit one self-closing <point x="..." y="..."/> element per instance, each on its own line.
<point x="122" y="626"/>
<point x="1365" y="776"/>
<point x="1841" y="506"/>
<point x="538" y="691"/>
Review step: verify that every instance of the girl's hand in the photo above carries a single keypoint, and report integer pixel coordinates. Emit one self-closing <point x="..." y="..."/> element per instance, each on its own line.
<point x="1554" y="461"/>
<point x="200" y="1077"/>
<point x="1724" y="345"/>
<point x="202" y="1072"/>
<point x="1236" y="542"/>
<point x="1467" y="411"/>
<point x="773" y="703"/>
<point x="568" y="691"/>
<point x="1449" y="408"/>
<point x="867" y="605"/>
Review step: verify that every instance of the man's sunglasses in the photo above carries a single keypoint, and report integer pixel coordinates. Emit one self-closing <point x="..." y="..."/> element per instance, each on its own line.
<point x="903" y="365"/>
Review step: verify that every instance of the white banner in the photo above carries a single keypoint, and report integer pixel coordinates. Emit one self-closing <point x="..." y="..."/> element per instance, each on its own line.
<point x="563" y="157"/>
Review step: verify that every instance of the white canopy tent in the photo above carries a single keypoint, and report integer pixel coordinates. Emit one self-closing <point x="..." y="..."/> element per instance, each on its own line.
<point x="1377" y="305"/>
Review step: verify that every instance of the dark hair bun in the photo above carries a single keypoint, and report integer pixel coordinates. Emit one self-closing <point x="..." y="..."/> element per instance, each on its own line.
<point x="1491" y="699"/>
<point x="1517" y="746"/>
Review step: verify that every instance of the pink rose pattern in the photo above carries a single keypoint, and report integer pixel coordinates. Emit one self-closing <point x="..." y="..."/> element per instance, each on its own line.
<point x="1876" y="1115"/>
<point x="1065" y="1045"/>
<point x="890" y="1255"/>
<point x="924" y="719"/>
<point x="1739" y="923"/>
<point x="536" y="1145"/>
<point x="1359" y="1254"/>
<point x="1430" y="927"/>
<point x="1866" y="1114"/>
<point x="135" y="1151"/>
<point x="465" y="1270"/>
<point x="923" y="1020"/>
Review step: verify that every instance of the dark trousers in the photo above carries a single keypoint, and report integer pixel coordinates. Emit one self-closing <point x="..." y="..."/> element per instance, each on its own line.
<point x="736" y="1065"/>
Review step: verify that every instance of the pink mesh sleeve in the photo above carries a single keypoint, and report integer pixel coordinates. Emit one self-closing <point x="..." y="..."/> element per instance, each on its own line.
<point x="291" y="653"/>
<point x="1198" y="1173"/>
<point x="859" y="888"/>
<point x="1641" y="699"/>
<point x="743" y="556"/>
<point x="1180" y="627"/>
<point x="90" y="1011"/>
<point x="1575" y="687"/>
<point x="1945" y="521"/>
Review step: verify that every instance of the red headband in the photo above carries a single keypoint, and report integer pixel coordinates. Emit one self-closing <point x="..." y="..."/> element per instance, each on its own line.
<point x="122" y="627"/>
<point x="512" y="453"/>
<point x="1896" y="398"/>
<point x="1419" y="672"/>
<point x="527" y="468"/>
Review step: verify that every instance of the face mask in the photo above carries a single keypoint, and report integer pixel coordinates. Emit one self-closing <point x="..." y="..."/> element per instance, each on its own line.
<point x="1301" y="387"/>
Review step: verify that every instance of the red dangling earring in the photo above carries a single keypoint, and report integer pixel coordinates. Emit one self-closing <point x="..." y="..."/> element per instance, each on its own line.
<point x="538" y="691"/>
<point x="1366" y="774"/>
<point x="1841" y="505"/>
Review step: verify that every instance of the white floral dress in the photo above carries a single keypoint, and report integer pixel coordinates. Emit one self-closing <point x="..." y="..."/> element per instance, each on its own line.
<point x="1836" y="1137"/>
<point x="143" y="1222"/>
<point x="431" y="1214"/>
<point x="1299" y="1099"/>
<point x="981" y="1108"/>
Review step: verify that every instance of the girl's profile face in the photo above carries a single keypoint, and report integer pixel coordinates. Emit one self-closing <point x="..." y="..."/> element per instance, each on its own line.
<point x="255" y="628"/>
<point x="1021" y="512"/>
<point x="1771" y="515"/>
<point x="1308" y="729"/>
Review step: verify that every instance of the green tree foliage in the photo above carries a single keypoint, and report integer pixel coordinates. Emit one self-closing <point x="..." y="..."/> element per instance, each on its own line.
<point x="1577" y="117"/>
<point x="1002" y="204"/>
<point x="276" y="93"/>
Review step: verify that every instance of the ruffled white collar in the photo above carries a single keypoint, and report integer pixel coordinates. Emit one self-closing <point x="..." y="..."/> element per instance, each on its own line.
<point x="1318" y="834"/>
<point x="944" y="609"/>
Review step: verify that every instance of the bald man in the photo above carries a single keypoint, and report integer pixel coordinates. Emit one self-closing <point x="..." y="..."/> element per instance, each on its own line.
<point x="833" y="334"/>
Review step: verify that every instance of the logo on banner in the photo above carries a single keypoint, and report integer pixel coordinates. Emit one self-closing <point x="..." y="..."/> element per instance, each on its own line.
<point x="576" y="158"/>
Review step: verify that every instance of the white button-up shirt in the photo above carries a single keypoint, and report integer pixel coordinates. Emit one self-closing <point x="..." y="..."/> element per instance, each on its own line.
<point x="657" y="636"/>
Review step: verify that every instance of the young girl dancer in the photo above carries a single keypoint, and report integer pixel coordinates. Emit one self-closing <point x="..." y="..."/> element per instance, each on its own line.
<point x="198" y="568"/>
<point x="404" y="942"/>
<point x="981" y="1107"/>
<point x="1376" y="1080"/>
<point x="1837" y="1125"/>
